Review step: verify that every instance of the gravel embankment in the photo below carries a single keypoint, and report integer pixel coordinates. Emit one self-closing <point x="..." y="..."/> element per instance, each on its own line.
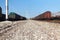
<point x="29" y="30"/>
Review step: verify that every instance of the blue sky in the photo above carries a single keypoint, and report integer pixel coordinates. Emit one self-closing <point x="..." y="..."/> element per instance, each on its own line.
<point x="31" y="8"/>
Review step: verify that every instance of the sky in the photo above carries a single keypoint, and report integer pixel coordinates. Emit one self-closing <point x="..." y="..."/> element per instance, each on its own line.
<point x="31" y="8"/>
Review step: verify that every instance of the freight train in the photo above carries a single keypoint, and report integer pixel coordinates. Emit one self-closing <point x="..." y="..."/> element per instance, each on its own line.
<point x="14" y="16"/>
<point x="46" y="16"/>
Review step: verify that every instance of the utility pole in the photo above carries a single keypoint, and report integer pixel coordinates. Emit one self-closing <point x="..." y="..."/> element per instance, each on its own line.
<point x="6" y="9"/>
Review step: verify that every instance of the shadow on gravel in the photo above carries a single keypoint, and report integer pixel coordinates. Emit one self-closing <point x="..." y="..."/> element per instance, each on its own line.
<point x="10" y="20"/>
<point x="15" y="20"/>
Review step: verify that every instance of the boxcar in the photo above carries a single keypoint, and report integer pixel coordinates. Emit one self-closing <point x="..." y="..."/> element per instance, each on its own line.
<point x="44" y="16"/>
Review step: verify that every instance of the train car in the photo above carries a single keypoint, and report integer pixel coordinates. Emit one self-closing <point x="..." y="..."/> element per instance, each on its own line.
<point x="55" y="18"/>
<point x="13" y="16"/>
<point x="0" y="12"/>
<point x="2" y="16"/>
<point x="44" y="16"/>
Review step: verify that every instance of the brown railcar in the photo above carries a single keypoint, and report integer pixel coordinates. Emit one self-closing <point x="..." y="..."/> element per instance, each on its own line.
<point x="44" y="16"/>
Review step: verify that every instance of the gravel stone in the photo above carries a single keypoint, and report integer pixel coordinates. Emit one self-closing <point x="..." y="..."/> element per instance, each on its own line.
<point x="29" y="30"/>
